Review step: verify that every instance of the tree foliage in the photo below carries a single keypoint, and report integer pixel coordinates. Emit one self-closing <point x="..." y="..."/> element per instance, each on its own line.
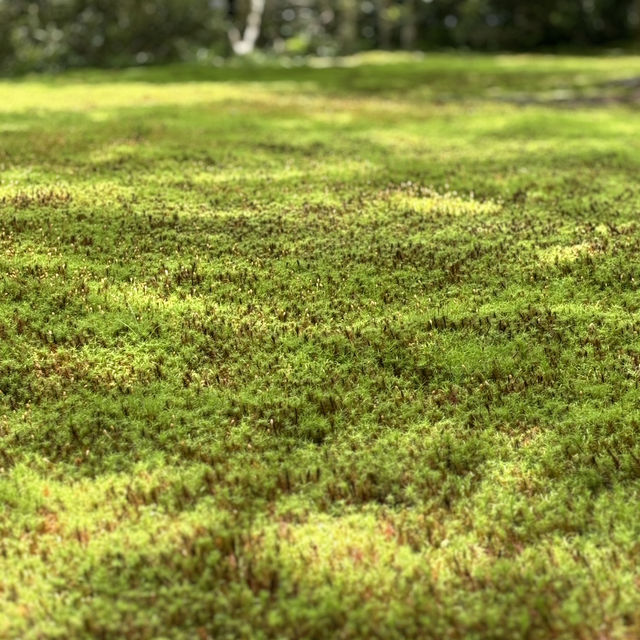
<point x="36" y="34"/>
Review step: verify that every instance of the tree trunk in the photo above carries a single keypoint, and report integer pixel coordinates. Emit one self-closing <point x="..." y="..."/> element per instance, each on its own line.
<point x="408" y="32"/>
<point x="633" y="20"/>
<point x="245" y="43"/>
<point x="348" y="25"/>
<point x="384" y="28"/>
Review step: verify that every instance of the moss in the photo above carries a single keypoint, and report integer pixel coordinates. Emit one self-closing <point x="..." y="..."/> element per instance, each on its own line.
<point x="347" y="352"/>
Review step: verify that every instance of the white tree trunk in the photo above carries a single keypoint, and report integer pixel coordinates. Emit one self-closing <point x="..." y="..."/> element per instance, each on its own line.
<point x="245" y="43"/>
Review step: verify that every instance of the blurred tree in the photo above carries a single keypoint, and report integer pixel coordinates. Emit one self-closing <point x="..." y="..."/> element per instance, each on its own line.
<point x="409" y="22"/>
<point x="348" y="25"/>
<point x="244" y="42"/>
<point x="50" y="34"/>
<point x="383" y="24"/>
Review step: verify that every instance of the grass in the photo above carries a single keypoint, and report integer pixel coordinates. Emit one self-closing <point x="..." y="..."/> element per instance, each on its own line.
<point x="349" y="352"/>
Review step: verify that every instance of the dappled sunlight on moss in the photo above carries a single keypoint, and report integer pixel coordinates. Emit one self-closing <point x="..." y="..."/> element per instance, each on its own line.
<point x="351" y="349"/>
<point x="435" y="204"/>
<point x="555" y="255"/>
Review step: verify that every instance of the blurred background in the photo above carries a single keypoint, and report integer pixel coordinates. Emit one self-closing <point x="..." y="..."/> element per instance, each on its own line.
<point x="58" y="34"/>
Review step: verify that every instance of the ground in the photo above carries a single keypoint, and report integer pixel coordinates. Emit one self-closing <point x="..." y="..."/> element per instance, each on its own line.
<point x="310" y="352"/>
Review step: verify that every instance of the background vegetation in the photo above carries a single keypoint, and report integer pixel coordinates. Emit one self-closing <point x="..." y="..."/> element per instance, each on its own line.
<point x="50" y="34"/>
